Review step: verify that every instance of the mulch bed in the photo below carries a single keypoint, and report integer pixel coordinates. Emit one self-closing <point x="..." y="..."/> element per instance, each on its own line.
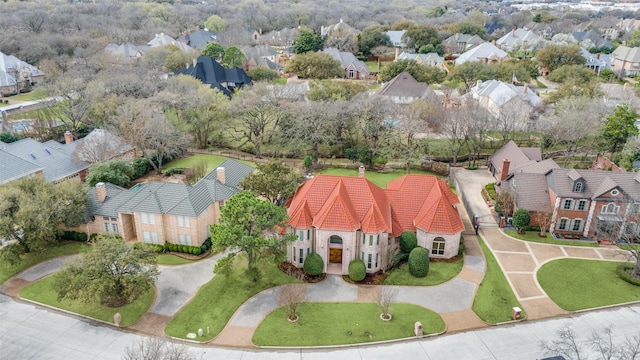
<point x="370" y="279"/>
<point x="299" y="274"/>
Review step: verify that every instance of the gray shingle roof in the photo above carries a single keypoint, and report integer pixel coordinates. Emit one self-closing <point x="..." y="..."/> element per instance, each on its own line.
<point x="171" y="198"/>
<point x="530" y="191"/>
<point x="596" y="183"/>
<point x="10" y="64"/>
<point x="517" y="157"/>
<point x="56" y="164"/>
<point x="13" y="167"/>
<point x="501" y="93"/>
<point x="404" y="85"/>
<point x="625" y="53"/>
<point x="199" y="38"/>
<point x="346" y="59"/>
<point x="482" y="51"/>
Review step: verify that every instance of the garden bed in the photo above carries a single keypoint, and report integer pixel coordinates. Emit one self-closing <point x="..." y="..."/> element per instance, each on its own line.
<point x="298" y="273"/>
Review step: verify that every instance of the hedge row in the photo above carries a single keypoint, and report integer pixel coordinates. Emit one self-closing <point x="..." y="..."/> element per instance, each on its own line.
<point x="187" y="249"/>
<point x="74" y="236"/>
<point x="623" y="273"/>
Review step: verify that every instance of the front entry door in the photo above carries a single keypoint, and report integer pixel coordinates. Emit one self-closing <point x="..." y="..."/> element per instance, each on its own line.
<point x="335" y="255"/>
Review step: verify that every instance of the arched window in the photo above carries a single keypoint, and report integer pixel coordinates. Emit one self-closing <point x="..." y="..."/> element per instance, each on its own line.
<point x="335" y="240"/>
<point x="438" y="246"/>
<point x="578" y="186"/>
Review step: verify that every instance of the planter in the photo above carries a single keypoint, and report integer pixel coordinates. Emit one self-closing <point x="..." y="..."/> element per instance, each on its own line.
<point x="386" y="317"/>
<point x="293" y="319"/>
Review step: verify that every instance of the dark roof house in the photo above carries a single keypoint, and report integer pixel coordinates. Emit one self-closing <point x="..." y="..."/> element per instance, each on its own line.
<point x="209" y="71"/>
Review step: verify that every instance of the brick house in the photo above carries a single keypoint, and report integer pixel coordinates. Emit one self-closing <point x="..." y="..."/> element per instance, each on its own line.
<point x="158" y="212"/>
<point x="353" y="68"/>
<point x="343" y="218"/>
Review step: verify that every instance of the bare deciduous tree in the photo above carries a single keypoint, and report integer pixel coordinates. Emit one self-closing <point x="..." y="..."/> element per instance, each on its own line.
<point x="543" y="218"/>
<point x="504" y="203"/>
<point x="568" y="345"/>
<point x="384" y="298"/>
<point x="565" y="344"/>
<point x="292" y="295"/>
<point x="156" y="349"/>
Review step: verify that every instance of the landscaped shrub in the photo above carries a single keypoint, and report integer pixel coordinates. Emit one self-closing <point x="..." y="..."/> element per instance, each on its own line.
<point x="419" y="262"/>
<point x="521" y="219"/>
<point x="313" y="264"/>
<point x="196" y="250"/>
<point x="408" y="241"/>
<point x="74" y="236"/>
<point x="400" y="258"/>
<point x="140" y="167"/>
<point x="174" y="171"/>
<point x="357" y="270"/>
<point x="623" y="273"/>
<point x="184" y="249"/>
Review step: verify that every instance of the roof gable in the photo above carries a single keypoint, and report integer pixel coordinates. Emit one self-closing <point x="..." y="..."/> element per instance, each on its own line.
<point x="338" y="212"/>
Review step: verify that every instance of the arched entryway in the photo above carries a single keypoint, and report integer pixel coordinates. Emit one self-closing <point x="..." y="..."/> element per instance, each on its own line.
<point x="335" y="249"/>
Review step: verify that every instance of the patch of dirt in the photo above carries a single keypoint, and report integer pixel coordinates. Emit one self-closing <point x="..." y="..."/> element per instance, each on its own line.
<point x="299" y="274"/>
<point x="371" y="279"/>
<point x="153" y="177"/>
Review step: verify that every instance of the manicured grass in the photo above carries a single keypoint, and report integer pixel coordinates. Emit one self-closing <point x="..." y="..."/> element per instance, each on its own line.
<point x="576" y="284"/>
<point x="372" y="65"/>
<point x="30" y="96"/>
<point x="168" y="259"/>
<point x="439" y="272"/>
<point x="43" y="292"/>
<point x="63" y="248"/>
<point x="343" y="323"/>
<point x="217" y="300"/>
<point x="532" y="236"/>
<point x="212" y="162"/>
<point x="494" y="298"/>
<point x="379" y="178"/>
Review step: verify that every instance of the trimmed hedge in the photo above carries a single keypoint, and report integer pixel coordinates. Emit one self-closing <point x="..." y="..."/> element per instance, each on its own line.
<point x="621" y="271"/>
<point x="313" y="264"/>
<point x="74" y="236"/>
<point x="357" y="270"/>
<point x="186" y="249"/>
<point x="408" y="241"/>
<point x="419" y="262"/>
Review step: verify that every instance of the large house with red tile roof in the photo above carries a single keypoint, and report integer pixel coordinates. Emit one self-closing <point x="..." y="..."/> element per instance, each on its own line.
<point x="343" y="218"/>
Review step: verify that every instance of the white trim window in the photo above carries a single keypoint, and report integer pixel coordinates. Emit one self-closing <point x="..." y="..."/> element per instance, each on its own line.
<point x="150" y="237"/>
<point x="184" y="239"/>
<point x="577" y="187"/>
<point x="576" y="225"/>
<point x="183" y="221"/>
<point x="581" y="205"/>
<point x="563" y="224"/>
<point x="567" y="204"/>
<point x="147" y="218"/>
<point x="438" y="245"/>
<point x="610" y="208"/>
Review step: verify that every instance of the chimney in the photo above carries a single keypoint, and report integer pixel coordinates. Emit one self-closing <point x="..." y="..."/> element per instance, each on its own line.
<point x="68" y="137"/>
<point x="598" y="57"/>
<point x="526" y="88"/>
<point x="478" y="83"/>
<point x="457" y="36"/>
<point x="101" y="191"/>
<point x="505" y="169"/>
<point x="513" y="31"/>
<point x="397" y="53"/>
<point x="361" y="171"/>
<point x="220" y="174"/>
<point x="195" y="61"/>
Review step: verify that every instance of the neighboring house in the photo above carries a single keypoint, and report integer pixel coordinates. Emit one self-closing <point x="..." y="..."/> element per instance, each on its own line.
<point x="13" y="167"/>
<point x="260" y="56"/>
<point x="157" y="212"/>
<point x="353" y="68"/>
<point x="396" y="37"/>
<point x="626" y="60"/>
<point x="510" y="158"/>
<point x="459" y="43"/>
<point x="344" y="218"/>
<point x="293" y="90"/>
<point x="591" y="38"/>
<point x="126" y="51"/>
<point x="616" y="94"/>
<point x="520" y="39"/>
<point x="284" y="37"/>
<point x="16" y="75"/>
<point x="163" y="39"/>
<point x="199" y="38"/>
<point x="405" y="89"/>
<point x="55" y="165"/>
<point x="98" y="146"/>
<point x="501" y="99"/>
<point x="209" y="71"/>
<point x="628" y="25"/>
<point x="596" y="62"/>
<point x="431" y="59"/>
<point x="339" y="27"/>
<point x="485" y="53"/>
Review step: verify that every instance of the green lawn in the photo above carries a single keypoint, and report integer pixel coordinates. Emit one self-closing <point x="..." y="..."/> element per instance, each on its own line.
<point x="30" y="96"/>
<point x="540" y="84"/>
<point x="379" y="178"/>
<point x="212" y="162"/>
<point x="43" y="292"/>
<point x="343" y="323"/>
<point x="576" y="284"/>
<point x="217" y="300"/>
<point x="168" y="259"/>
<point x="439" y="272"/>
<point x="532" y="236"/>
<point x="372" y="65"/>
<point x="494" y="298"/>
<point x="28" y="260"/>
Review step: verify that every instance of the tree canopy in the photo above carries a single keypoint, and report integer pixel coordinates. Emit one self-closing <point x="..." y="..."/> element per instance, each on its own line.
<point x="470" y="72"/>
<point x="371" y="38"/>
<point x="32" y="211"/>
<point x="114" y="273"/>
<point x="618" y="128"/>
<point x="233" y="57"/>
<point x="420" y="72"/>
<point x="274" y="181"/>
<point x="553" y="56"/>
<point x="214" y="50"/>
<point x="117" y="172"/>
<point x="420" y="35"/>
<point x="306" y="41"/>
<point x="314" y="65"/>
<point x="245" y="226"/>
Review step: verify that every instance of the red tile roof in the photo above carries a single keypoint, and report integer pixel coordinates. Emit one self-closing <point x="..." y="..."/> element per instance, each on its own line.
<point x="350" y="203"/>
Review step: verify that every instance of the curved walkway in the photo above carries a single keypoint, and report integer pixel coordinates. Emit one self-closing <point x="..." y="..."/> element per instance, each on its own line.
<point x="518" y="259"/>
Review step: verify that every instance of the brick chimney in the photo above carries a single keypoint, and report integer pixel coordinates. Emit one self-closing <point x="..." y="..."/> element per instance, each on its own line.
<point x="526" y="88"/>
<point x="361" y="171"/>
<point x="505" y="169"/>
<point x="68" y="137"/>
<point x="397" y="53"/>
<point x="220" y="174"/>
<point x="101" y="191"/>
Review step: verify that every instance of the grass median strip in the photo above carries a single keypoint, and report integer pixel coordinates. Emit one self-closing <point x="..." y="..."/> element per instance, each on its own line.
<point x="43" y="292"/>
<point x="60" y="249"/>
<point x="494" y="298"/>
<point x="576" y="284"/>
<point x="439" y="272"/>
<point x="217" y="300"/>
<point x="532" y="236"/>
<point x="343" y="323"/>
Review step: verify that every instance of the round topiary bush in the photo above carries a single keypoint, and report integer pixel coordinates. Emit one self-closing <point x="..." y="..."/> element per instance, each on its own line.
<point x="408" y="241"/>
<point x="313" y="264"/>
<point x="357" y="270"/>
<point x="419" y="262"/>
<point x="197" y="250"/>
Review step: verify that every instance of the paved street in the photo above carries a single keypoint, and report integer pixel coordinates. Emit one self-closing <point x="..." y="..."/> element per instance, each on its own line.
<point x="31" y="332"/>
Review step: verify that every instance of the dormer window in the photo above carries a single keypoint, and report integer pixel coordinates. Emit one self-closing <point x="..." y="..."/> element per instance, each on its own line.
<point x="578" y="186"/>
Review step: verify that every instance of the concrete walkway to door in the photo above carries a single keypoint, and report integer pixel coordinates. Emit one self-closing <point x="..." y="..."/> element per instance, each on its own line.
<point x="518" y="259"/>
